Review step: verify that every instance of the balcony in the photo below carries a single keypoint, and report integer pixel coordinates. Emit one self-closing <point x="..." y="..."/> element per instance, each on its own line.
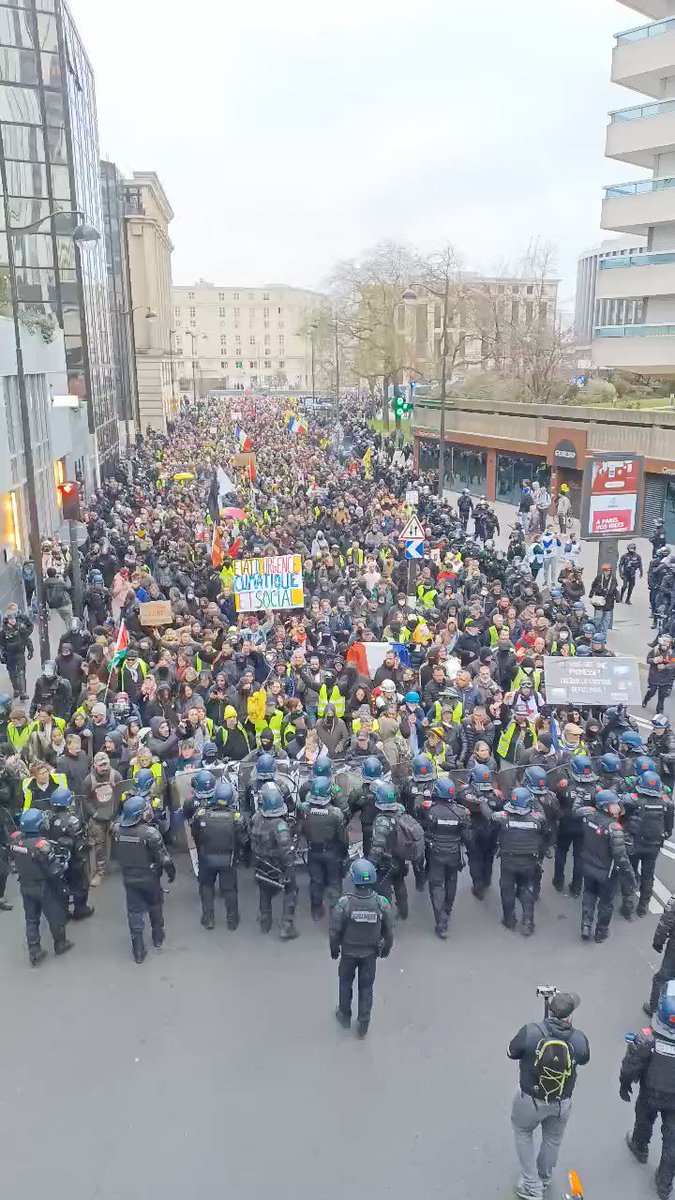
<point x="634" y="207"/>
<point x="656" y="9"/>
<point x="628" y="276"/>
<point x="644" y="59"/>
<point x="637" y="134"/>
<point x="645" y="349"/>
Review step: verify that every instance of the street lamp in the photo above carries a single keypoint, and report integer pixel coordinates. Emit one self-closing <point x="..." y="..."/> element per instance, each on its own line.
<point x="82" y="234"/>
<point x="312" y="330"/>
<point x="193" y="336"/>
<point x="150" y="315"/>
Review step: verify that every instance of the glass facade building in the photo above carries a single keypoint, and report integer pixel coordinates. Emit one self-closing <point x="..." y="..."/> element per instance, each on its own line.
<point x="114" y="202"/>
<point x="49" y="160"/>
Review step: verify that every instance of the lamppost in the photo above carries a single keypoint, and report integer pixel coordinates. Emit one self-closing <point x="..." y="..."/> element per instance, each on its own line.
<point x="81" y="234"/>
<point x="193" y="336"/>
<point x="150" y="315"/>
<point x="312" y="330"/>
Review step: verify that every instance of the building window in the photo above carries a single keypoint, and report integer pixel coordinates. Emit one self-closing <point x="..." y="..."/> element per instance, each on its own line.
<point x="266" y="324"/>
<point x="193" y="323"/>
<point x="191" y="295"/>
<point x="530" y="289"/>
<point x="223" y="339"/>
<point x="266" y="295"/>
<point x="251" y="296"/>
<point x="279" y="311"/>
<point x="221" y="295"/>
<point x="252" y="365"/>
<point x="236" y="313"/>
<point x="193" y="312"/>
<point x="266" y="312"/>
<point x="222" y="312"/>
<point x="239" y="366"/>
<point x="267" y="339"/>
<point x="543" y="311"/>
<point x="529" y="309"/>
<point x="251" y="340"/>
<point x="281" y="339"/>
<point x="515" y="312"/>
<point x="176" y="312"/>
<point x="268" y="364"/>
<point x="514" y="289"/>
<point x="235" y="296"/>
<point x="282" y="364"/>
<point x="223" y="366"/>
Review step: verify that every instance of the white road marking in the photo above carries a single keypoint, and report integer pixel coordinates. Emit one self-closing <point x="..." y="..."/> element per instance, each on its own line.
<point x="662" y="893"/>
<point x="668" y="853"/>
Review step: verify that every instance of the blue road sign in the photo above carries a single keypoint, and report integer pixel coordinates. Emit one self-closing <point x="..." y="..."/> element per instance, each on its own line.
<point x="414" y="548"/>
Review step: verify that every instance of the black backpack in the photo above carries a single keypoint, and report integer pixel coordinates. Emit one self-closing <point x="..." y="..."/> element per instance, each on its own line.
<point x="553" y="1068"/>
<point x="409" y="838"/>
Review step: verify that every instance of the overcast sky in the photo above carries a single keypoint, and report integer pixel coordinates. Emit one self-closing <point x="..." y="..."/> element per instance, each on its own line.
<point x="289" y="133"/>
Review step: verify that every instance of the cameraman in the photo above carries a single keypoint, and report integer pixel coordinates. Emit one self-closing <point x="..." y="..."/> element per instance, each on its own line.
<point x="548" y="1072"/>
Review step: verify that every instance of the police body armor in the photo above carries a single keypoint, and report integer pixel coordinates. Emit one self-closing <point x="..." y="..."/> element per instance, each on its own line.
<point x="660" y="1074"/>
<point x="385" y="835"/>
<point x="215" y="833"/>
<point x="443" y="832"/>
<point x="581" y="794"/>
<point x="521" y="837"/>
<point x="320" y="825"/>
<point x="68" y="834"/>
<point x="363" y="928"/>
<point x="29" y="853"/>
<point x="133" y="851"/>
<point x="265" y="832"/>
<point x="597" y="851"/>
<point x="646" y="824"/>
<point x="472" y="799"/>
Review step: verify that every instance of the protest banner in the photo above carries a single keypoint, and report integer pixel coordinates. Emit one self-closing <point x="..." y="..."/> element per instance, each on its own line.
<point x="274" y="581"/>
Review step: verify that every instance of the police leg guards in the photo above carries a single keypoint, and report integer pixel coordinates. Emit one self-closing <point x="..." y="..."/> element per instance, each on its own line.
<point x="287" y="929"/>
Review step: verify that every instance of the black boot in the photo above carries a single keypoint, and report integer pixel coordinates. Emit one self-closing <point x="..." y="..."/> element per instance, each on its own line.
<point x="362" y="1028"/>
<point x="63" y="946"/>
<point x="81" y="914"/>
<point x="287" y="931"/>
<point x="318" y="912"/>
<point x="5" y="907"/>
<point x="265" y="922"/>
<point x="441" y="931"/>
<point x="509" y="923"/>
<point x="626" y="910"/>
<point x="601" y="935"/>
<point x="642" y="908"/>
<point x="638" y="1152"/>
<point x="527" y="928"/>
<point x="478" y="891"/>
<point x="37" y="956"/>
<point x="663" y="1186"/>
<point x="158" y="940"/>
<point x="233" y="921"/>
<point x="586" y="931"/>
<point x="208" y="920"/>
<point x="342" y="1018"/>
<point x="559" y="886"/>
<point x="138" y="948"/>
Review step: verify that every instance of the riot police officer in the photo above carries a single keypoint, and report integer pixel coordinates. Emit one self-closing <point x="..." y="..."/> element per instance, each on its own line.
<point x="41" y="883"/>
<point x="577" y="786"/>
<point x="384" y="852"/>
<point x="664" y="936"/>
<point x="71" y="846"/>
<point x="610" y="777"/>
<point x="649" y="820"/>
<point x="274" y="860"/>
<point x="140" y="851"/>
<point x="413" y="795"/>
<point x="650" y="1062"/>
<point x="323" y="825"/>
<point x="361" y="931"/>
<point x="447" y="828"/>
<point x="265" y="771"/>
<point x="362" y="801"/>
<point x="604" y="855"/>
<point x="522" y="832"/>
<point x="484" y="835"/>
<point x="219" y="834"/>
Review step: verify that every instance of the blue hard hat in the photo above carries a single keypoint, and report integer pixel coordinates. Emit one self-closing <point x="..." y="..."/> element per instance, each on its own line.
<point x="630" y="738"/>
<point x="422" y="767"/>
<point x="320" y="790"/>
<point x="34" y="820"/>
<point x="582" y="768"/>
<point x="322" y="769"/>
<point x="371" y="768"/>
<point x="481" y="777"/>
<point x="133" y="810"/>
<point x="535" y="779"/>
<point x="444" y="789"/>
<point x="61" y="797"/>
<point x="583" y="651"/>
<point x="385" y="798"/>
<point x="605" y="797"/>
<point x="363" y="873"/>
<point x="209" y="752"/>
<point x="610" y="763"/>
<point x="412" y="697"/>
<point x="644" y="763"/>
<point x="272" y="801"/>
<point x="521" y="800"/>
<point x="665" y="1010"/>
<point x="266" y="767"/>
<point x="144" y="782"/>
<point x="204" y="784"/>
<point x="649" y="784"/>
<point x="223" y="794"/>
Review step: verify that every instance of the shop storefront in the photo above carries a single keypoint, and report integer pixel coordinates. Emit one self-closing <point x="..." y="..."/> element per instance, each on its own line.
<point x="465" y="466"/>
<point x="513" y="469"/>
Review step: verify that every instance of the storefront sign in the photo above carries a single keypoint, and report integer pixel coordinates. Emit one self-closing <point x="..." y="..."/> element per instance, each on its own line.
<point x="565" y="454"/>
<point x="270" y="582"/>
<point x="597" y="681"/>
<point x="611" y="497"/>
<point x="566" y="447"/>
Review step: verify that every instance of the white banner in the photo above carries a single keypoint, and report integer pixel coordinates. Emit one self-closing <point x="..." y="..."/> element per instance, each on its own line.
<point x="270" y="582"/>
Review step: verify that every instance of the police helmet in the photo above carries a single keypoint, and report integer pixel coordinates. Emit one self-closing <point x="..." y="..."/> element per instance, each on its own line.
<point x="61" y="797"/>
<point x="589" y="629"/>
<point x="649" y="784"/>
<point x="34" y="820"/>
<point x="605" y="798"/>
<point x="444" y="789"/>
<point x="534" y="778"/>
<point x="582" y="768"/>
<point x="133" y="810"/>
<point x="481" y="778"/>
<point x="630" y="738"/>
<point x="422" y="767"/>
<point x="385" y="798"/>
<point x="599" y="637"/>
<point x="363" y="873"/>
<point x="583" y="651"/>
<point x="320" y="790"/>
<point x="665" y="1010"/>
<point x="372" y="768"/>
<point x="272" y="801"/>
<point x="203" y="784"/>
<point x="322" y="768"/>
<point x="521" y="800"/>
<point x="223" y="794"/>
<point x="266" y="767"/>
<point x="556" y="593"/>
<point x="610" y="763"/>
<point x="145" y="781"/>
<point x="660" y="721"/>
<point x="644" y="763"/>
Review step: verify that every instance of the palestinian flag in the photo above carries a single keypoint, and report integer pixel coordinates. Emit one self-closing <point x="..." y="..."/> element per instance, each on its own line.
<point x="121" y="647"/>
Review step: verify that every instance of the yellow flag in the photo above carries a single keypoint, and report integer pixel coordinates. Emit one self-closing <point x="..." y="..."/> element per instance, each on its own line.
<point x="366" y="461"/>
<point x="256" y="706"/>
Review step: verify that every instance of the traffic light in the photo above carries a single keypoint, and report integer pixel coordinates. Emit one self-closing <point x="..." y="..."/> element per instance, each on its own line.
<point x="401" y="406"/>
<point x="70" y="500"/>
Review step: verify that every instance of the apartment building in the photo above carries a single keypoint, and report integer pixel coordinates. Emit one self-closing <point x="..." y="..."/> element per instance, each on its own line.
<point x="233" y="338"/>
<point x="635" y="329"/>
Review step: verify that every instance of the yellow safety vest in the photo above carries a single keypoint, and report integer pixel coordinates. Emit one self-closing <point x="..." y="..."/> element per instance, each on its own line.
<point x="18" y="737"/>
<point x="274" y="723"/>
<point x="227" y="731"/>
<point x="336" y="698"/>
<point x="534" y="678"/>
<point x="355" y="554"/>
<point x="155" y="768"/>
<point x="26" y="784"/>
<point x="58" y="721"/>
<point x="457" y="712"/>
<point x="357" y="723"/>
<point x="426" y="595"/>
<point x="507" y="737"/>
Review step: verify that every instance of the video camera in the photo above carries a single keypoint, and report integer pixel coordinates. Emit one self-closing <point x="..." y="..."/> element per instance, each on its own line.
<point x="547" y="991"/>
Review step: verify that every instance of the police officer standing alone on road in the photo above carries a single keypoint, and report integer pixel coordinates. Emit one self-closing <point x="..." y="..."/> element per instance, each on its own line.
<point x="361" y="931"/>
<point x="549" y="1053"/>
<point x="650" y="1061"/>
<point x="139" y="849"/>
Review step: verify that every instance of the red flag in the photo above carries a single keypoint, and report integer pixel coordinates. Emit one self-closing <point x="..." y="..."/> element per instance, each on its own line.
<point x="251" y="472"/>
<point x="217" y="549"/>
<point x="235" y="548"/>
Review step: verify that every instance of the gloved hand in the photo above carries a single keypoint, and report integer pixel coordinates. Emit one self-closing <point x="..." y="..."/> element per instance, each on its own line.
<point x="625" y="1090"/>
<point x="171" y="871"/>
<point x="29" y="650"/>
<point x="657" y="946"/>
<point x="335" y="953"/>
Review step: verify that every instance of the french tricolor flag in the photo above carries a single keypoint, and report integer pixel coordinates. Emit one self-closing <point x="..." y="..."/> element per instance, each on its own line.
<point x="243" y="439"/>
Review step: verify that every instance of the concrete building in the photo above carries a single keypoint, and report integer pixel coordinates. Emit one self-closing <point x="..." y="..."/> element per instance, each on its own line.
<point x="636" y="329"/>
<point x="50" y="154"/>
<point x="148" y="215"/>
<point x="119" y="298"/>
<point x="590" y="311"/>
<point x="58" y="439"/>
<point x="243" y="336"/>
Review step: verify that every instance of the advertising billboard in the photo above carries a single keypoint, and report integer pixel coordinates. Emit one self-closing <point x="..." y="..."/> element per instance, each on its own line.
<point x="612" y="497"/>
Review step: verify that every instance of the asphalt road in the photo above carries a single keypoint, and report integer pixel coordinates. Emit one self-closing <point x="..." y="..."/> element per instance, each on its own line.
<point x="217" y="1067"/>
